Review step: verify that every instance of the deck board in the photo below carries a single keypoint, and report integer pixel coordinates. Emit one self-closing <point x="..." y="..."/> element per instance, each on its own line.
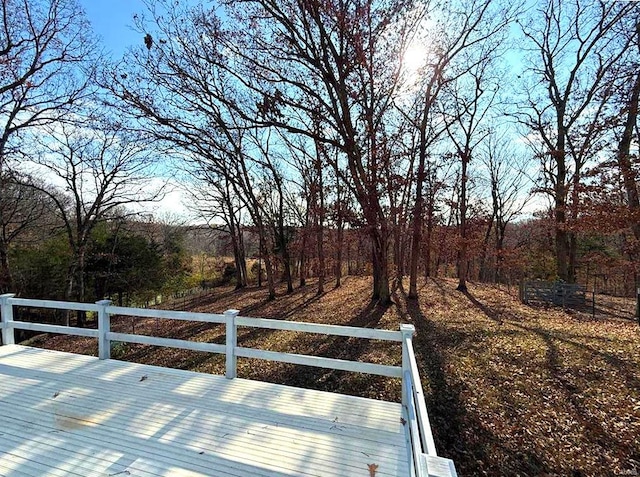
<point x="66" y="414"/>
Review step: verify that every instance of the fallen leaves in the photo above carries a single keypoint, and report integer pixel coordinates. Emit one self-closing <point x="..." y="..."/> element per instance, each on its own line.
<point x="372" y="470"/>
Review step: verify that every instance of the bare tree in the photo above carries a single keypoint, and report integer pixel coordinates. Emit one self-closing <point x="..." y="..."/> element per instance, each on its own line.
<point x="178" y="88"/>
<point x="24" y="210"/>
<point x="472" y="99"/>
<point x="508" y="178"/>
<point x="218" y="204"/>
<point x="46" y="53"/>
<point x="100" y="171"/>
<point x="573" y="47"/>
<point x="338" y="59"/>
<point x="466" y="35"/>
<point x="628" y="100"/>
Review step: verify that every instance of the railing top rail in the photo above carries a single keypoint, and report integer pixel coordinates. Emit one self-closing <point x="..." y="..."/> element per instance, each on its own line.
<point x="266" y="323"/>
<point x="332" y="330"/>
<point x="60" y="305"/>
<point x="166" y="314"/>
<point x="428" y="444"/>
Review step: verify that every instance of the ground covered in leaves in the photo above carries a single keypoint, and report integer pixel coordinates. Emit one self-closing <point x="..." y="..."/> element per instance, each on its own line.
<point x="511" y="390"/>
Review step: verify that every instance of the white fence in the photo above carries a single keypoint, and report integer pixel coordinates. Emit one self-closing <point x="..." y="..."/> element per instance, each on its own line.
<point x="424" y="459"/>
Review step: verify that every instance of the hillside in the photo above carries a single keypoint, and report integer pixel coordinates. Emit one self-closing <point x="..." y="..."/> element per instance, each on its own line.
<point x="511" y="390"/>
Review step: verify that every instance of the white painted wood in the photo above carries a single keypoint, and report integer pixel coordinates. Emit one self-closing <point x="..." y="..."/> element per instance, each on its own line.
<point x="412" y="466"/>
<point x="413" y="429"/>
<point x="231" y="363"/>
<point x="204" y="387"/>
<point x="244" y="398"/>
<point x="332" y="330"/>
<point x="81" y="414"/>
<point x="427" y="442"/>
<point x="45" y="328"/>
<point x="104" y="327"/>
<point x="167" y="342"/>
<point x="407" y="332"/>
<point x="8" y="336"/>
<point x="85" y="461"/>
<point x="320" y="362"/>
<point x="143" y="421"/>
<point x="166" y="314"/>
<point x="75" y="452"/>
<point x="61" y="305"/>
<point x="434" y="466"/>
<point x="261" y="448"/>
<point x="412" y="397"/>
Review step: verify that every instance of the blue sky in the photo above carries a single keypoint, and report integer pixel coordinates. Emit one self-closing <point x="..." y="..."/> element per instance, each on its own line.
<point x="112" y="20"/>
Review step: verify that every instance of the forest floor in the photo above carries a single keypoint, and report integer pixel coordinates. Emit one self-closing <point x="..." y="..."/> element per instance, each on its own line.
<point x="511" y="389"/>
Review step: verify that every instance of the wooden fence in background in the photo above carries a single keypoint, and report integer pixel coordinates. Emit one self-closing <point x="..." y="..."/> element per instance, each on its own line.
<point x="570" y="295"/>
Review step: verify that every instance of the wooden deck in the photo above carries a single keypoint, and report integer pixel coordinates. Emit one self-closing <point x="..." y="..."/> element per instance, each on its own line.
<point x="63" y="414"/>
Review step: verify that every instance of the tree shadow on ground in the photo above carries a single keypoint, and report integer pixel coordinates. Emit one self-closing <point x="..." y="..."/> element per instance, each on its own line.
<point x="352" y="349"/>
<point x="339" y="347"/>
<point x="458" y="435"/>
<point x="569" y="381"/>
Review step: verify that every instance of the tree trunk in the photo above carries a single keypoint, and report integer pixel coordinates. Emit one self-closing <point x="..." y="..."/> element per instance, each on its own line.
<point x="6" y="280"/>
<point x="418" y="211"/>
<point x="462" y="254"/>
<point x="381" y="288"/>
<point x="303" y="250"/>
<point x="626" y="168"/>
<point x="242" y="257"/>
<point x="319" y="219"/>
<point x="68" y="293"/>
<point x="429" y="237"/>
<point x="282" y="238"/>
<point x="500" y="233"/>
<point x="484" y="272"/>
<point x="339" y="243"/>
<point x="398" y="258"/>
<point x="286" y="259"/>
<point x="560" y="214"/>
<point x="321" y="258"/>
<point x="239" y="260"/>
<point x="81" y="315"/>
<point x="235" y="230"/>
<point x="268" y="266"/>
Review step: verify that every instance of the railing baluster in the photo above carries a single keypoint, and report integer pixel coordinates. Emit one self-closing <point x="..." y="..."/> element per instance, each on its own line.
<point x="232" y="342"/>
<point x="104" y="326"/>
<point x="8" y="334"/>
<point x="407" y="332"/>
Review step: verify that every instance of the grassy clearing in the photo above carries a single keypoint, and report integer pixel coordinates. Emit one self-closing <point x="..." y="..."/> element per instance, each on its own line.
<point x="511" y="390"/>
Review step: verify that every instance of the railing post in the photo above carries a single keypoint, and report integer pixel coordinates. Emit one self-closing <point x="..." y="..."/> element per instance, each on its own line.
<point x="104" y="326"/>
<point x="8" y="335"/>
<point x="232" y="341"/>
<point x="407" y="332"/>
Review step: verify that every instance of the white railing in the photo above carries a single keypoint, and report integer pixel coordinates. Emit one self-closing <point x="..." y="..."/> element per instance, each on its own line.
<point x="423" y="457"/>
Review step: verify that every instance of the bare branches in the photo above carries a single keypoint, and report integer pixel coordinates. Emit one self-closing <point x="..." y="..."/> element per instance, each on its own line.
<point x="46" y="55"/>
<point x="576" y="47"/>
